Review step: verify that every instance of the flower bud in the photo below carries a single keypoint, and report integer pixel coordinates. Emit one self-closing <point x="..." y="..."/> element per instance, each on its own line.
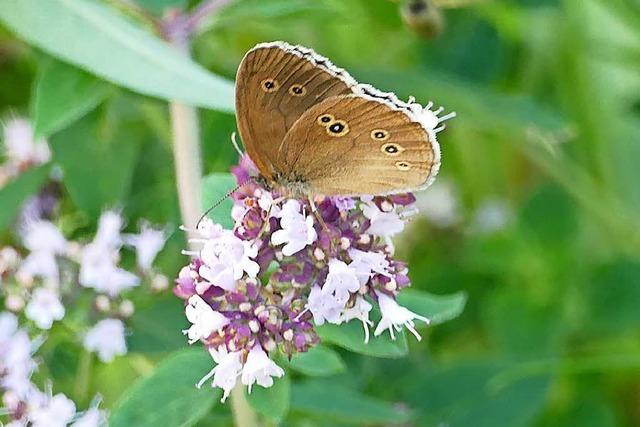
<point x="102" y="303"/>
<point x="344" y="243"/>
<point x="9" y="259"/>
<point x="254" y="326"/>
<point x="159" y="283"/>
<point x="14" y="303"/>
<point x="126" y="308"/>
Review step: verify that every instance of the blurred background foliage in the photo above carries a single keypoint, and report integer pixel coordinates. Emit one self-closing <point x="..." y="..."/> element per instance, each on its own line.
<point x="548" y="100"/>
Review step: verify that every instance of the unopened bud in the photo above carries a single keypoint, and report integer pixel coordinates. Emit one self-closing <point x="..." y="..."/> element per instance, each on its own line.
<point x="364" y="239"/>
<point x="159" y="283"/>
<point x="345" y="243"/>
<point x="391" y="286"/>
<point x="14" y="303"/>
<point x="386" y="206"/>
<point x="102" y="303"/>
<point x="254" y="326"/>
<point x="126" y="308"/>
<point x="9" y="258"/>
<point x="269" y="345"/>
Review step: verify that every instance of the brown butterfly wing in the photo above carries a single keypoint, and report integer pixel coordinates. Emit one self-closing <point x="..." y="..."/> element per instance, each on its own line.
<point x="356" y="144"/>
<point x="276" y="83"/>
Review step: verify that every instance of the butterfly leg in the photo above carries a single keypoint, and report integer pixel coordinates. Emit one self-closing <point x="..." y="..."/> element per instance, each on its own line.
<point x="315" y="211"/>
<point x="265" y="224"/>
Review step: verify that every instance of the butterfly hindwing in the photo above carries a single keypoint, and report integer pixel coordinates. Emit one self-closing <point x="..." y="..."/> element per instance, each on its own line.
<point x="357" y="144"/>
<point x="276" y="83"/>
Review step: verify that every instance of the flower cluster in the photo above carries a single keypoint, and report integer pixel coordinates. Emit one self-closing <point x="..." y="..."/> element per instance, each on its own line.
<point x="287" y="267"/>
<point x="22" y="149"/>
<point x="22" y="401"/>
<point x="55" y="269"/>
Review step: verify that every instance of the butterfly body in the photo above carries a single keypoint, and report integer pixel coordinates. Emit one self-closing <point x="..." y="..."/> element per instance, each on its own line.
<point x="310" y="128"/>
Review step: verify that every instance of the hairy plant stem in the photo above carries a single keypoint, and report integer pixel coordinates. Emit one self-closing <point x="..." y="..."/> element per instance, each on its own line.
<point x="186" y="154"/>
<point x="243" y="415"/>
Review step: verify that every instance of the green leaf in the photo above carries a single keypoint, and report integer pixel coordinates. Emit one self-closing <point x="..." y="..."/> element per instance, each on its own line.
<point x="96" y="38"/>
<point x="437" y="308"/>
<point x="214" y="188"/>
<point x="13" y="194"/>
<point x="63" y="94"/>
<point x="273" y="402"/>
<point x="613" y="296"/>
<point x="168" y="396"/>
<point x="97" y="168"/>
<point x="462" y="395"/>
<point x="156" y="328"/>
<point x="550" y="201"/>
<point x="318" y="361"/>
<point x="351" y="336"/>
<point x="343" y="404"/>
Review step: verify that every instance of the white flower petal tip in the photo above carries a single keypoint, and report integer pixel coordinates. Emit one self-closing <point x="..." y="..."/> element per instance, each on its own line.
<point x="147" y="244"/>
<point x="226" y="258"/>
<point x="106" y="339"/>
<point x="360" y="311"/>
<point x="297" y="229"/>
<point x="394" y="316"/>
<point x="260" y="369"/>
<point x="383" y="224"/>
<point x="204" y="319"/>
<point x="225" y="373"/>
<point x="44" y="308"/>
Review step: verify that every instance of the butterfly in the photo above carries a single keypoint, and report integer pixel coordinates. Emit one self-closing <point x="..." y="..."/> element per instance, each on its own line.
<point x="312" y="129"/>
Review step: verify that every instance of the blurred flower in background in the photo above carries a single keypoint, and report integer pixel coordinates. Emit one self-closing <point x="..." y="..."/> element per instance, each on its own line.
<point x="492" y="216"/>
<point x="441" y="204"/>
<point x="21" y="149"/>
<point x="38" y="279"/>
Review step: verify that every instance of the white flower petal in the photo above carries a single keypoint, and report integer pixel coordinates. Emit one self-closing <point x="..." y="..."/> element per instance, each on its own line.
<point x="259" y="368"/>
<point x="394" y="316"/>
<point x="106" y="338"/>
<point x="44" y="308"/>
<point x="204" y="319"/>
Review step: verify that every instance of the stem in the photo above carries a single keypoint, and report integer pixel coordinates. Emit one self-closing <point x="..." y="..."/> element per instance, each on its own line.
<point x="243" y="415"/>
<point x="186" y="153"/>
<point x="83" y="377"/>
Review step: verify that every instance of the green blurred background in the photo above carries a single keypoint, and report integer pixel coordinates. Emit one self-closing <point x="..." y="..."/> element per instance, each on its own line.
<point x="548" y="100"/>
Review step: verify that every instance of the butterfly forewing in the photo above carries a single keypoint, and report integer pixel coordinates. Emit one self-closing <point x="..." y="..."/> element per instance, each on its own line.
<point x="355" y="145"/>
<point x="276" y="83"/>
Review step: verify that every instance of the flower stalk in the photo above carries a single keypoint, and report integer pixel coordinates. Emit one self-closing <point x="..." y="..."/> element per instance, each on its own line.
<point x="186" y="149"/>
<point x="188" y="167"/>
<point x="243" y="415"/>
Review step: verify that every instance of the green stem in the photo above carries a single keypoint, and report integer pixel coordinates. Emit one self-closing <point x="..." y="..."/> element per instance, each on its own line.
<point x="243" y="415"/>
<point x="186" y="153"/>
<point x="83" y="377"/>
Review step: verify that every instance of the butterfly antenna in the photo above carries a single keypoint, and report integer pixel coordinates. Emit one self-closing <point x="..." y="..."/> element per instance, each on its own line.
<point x="234" y="141"/>
<point x="226" y="196"/>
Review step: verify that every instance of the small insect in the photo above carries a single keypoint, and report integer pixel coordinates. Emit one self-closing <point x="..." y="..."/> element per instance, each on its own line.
<point x="312" y="129"/>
